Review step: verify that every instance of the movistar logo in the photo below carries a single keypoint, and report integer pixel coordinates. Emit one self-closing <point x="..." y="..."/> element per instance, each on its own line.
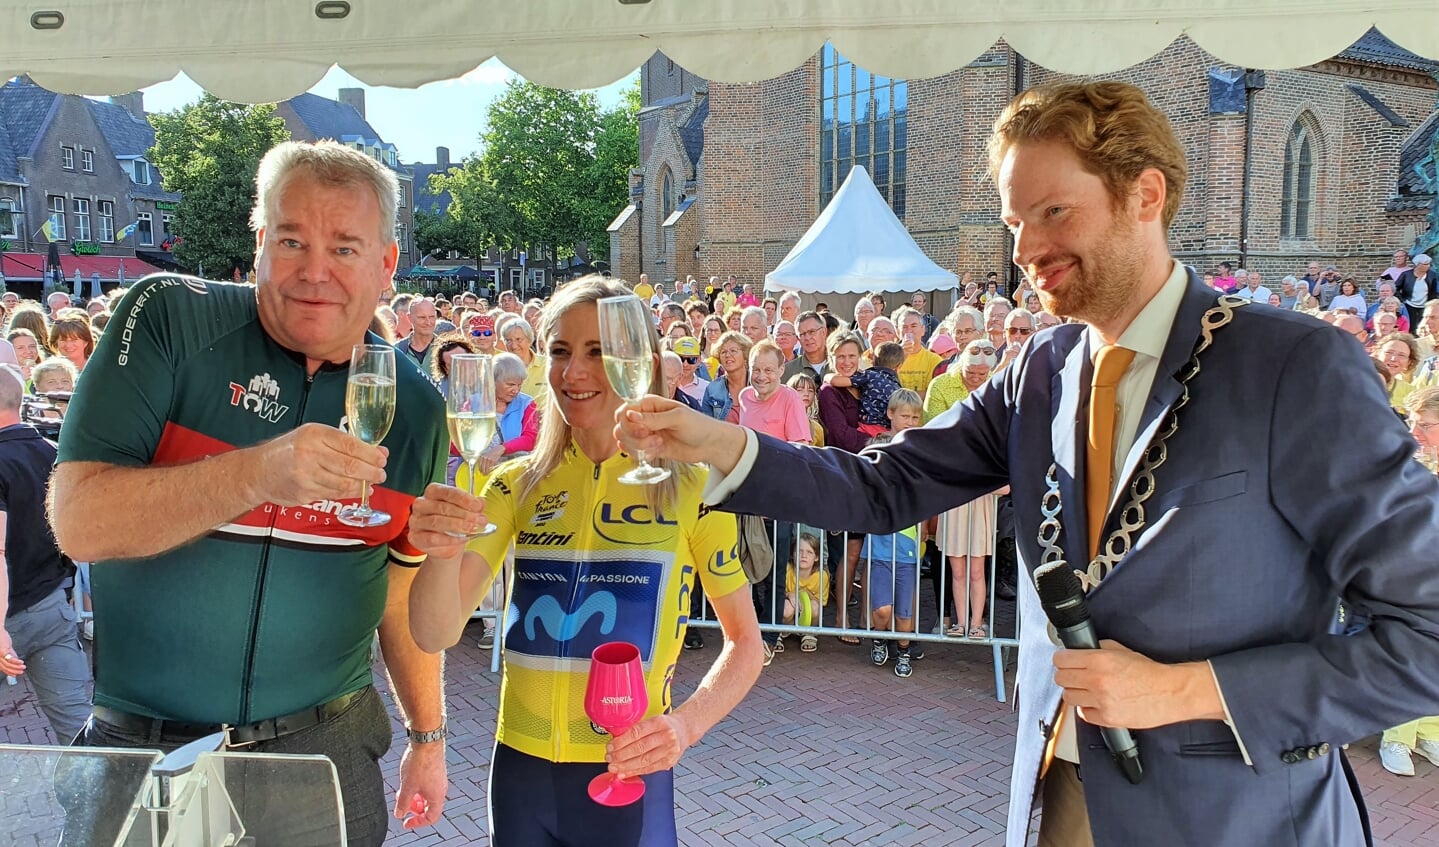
<point x="562" y="626"/>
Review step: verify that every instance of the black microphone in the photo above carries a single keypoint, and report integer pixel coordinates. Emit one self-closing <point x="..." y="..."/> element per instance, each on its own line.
<point x="1062" y="597"/>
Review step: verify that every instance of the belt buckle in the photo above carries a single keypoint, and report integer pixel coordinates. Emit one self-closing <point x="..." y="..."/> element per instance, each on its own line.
<point x="230" y="742"/>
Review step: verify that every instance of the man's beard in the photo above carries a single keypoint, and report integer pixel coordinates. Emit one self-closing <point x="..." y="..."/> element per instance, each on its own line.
<point x="1100" y="287"/>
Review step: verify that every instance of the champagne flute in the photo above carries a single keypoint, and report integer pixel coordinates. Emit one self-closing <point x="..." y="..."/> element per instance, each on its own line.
<point x="369" y="411"/>
<point x="627" y="344"/>
<point x="615" y="699"/>
<point x="470" y="412"/>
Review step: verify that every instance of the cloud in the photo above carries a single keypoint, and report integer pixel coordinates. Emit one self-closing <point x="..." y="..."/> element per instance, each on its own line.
<point x="492" y="72"/>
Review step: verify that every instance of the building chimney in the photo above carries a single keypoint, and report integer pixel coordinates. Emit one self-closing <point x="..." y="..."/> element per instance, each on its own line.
<point x="442" y="159"/>
<point x="354" y="97"/>
<point x="134" y="103"/>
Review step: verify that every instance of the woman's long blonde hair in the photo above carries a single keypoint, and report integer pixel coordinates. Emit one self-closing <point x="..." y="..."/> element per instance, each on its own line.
<point x="555" y="433"/>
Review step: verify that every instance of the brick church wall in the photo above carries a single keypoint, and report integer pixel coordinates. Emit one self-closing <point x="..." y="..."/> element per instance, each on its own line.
<point x="759" y="171"/>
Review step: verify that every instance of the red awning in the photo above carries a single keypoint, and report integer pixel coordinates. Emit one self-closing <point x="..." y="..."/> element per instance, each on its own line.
<point x="22" y="267"/>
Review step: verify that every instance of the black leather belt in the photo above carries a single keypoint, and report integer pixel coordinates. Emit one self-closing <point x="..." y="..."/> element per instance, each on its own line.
<point x="237" y="735"/>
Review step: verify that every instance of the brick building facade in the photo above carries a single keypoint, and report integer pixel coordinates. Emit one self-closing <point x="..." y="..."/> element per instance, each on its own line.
<point x="74" y="174"/>
<point x="1324" y="182"/>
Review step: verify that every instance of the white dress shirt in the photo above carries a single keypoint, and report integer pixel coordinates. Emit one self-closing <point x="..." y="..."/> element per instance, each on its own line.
<point x="1257" y="295"/>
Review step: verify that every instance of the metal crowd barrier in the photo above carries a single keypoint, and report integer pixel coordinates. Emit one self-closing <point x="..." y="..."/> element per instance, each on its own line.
<point x="871" y="562"/>
<point x="895" y="566"/>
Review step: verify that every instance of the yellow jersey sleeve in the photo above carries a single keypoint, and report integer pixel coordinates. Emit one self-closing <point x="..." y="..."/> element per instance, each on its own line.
<point x="500" y="508"/>
<point x="714" y="544"/>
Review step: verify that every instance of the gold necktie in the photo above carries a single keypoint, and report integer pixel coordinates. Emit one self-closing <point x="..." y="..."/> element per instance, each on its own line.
<point x="1109" y="367"/>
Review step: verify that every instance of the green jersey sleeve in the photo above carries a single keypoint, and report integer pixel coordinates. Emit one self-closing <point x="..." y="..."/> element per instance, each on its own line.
<point x="121" y="403"/>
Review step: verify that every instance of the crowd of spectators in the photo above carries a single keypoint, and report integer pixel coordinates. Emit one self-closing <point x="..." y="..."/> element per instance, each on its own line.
<point x="812" y="376"/>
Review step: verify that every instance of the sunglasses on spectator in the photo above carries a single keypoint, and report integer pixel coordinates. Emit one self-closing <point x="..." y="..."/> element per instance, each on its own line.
<point x="690" y="360"/>
<point x="482" y="333"/>
<point x="985" y="350"/>
<point x="1022" y="330"/>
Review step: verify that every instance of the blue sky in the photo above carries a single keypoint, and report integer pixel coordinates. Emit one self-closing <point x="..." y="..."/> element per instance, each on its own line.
<point x="450" y="113"/>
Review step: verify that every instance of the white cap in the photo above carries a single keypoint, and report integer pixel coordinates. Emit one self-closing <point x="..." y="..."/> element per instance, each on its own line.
<point x="1423" y="259"/>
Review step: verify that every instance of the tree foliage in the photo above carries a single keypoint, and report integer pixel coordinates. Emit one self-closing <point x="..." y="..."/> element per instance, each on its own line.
<point x="209" y="152"/>
<point x="439" y="232"/>
<point x="617" y="149"/>
<point x="552" y="171"/>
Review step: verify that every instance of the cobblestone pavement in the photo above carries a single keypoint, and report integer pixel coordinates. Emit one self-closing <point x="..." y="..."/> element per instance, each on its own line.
<point x="827" y="749"/>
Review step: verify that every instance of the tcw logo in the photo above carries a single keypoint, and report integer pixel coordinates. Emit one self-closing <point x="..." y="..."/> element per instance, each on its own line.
<point x="261" y="396"/>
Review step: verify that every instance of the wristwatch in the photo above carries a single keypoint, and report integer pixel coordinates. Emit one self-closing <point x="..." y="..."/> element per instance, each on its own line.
<point x="427" y="737"/>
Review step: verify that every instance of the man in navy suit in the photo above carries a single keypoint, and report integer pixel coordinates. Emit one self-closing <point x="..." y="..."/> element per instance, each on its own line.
<point x="1227" y="542"/>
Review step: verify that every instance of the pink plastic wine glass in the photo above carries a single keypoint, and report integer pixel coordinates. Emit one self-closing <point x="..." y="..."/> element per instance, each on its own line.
<point x="615" y="699"/>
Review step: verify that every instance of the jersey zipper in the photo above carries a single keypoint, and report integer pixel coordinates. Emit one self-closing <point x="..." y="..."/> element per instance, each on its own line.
<point x="248" y="688"/>
<point x="559" y="718"/>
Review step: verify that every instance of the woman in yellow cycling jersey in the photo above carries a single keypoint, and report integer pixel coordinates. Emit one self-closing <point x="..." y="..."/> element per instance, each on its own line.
<point x="596" y="560"/>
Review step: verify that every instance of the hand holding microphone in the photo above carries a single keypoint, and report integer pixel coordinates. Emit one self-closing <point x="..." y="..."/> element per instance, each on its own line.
<point x="1062" y="597"/>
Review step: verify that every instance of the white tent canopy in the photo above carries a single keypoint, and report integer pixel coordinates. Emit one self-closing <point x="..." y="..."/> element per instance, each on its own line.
<point x="263" y="50"/>
<point x="857" y="245"/>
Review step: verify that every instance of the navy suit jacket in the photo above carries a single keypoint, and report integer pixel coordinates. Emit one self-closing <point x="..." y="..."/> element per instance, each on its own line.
<point x="1252" y="536"/>
<point x="1404" y="286"/>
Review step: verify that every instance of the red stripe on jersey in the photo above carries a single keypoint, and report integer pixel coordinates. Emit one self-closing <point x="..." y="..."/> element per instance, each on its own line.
<point x="180" y="445"/>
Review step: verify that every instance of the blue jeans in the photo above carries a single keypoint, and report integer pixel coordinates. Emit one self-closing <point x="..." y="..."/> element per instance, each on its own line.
<point x="46" y="639"/>
<point x="355" y="740"/>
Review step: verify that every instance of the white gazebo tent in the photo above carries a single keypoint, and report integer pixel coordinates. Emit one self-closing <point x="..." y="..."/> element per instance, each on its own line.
<point x="857" y="245"/>
<point x="262" y="52"/>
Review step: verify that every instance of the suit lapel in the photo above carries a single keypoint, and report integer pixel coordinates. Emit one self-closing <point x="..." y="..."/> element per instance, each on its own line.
<point x="1068" y="393"/>
<point x="1183" y="335"/>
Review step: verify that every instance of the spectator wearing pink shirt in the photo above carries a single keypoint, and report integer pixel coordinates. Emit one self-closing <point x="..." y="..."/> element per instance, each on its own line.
<point x="769" y="406"/>
<point x="1225" y="280"/>
<point x="746" y="297"/>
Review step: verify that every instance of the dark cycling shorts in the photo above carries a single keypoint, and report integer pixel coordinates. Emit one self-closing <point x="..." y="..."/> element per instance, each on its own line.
<point x="538" y="803"/>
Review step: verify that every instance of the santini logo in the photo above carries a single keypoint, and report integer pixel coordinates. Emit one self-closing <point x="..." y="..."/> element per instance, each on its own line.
<point x="544" y="539"/>
<point x="562" y="626"/>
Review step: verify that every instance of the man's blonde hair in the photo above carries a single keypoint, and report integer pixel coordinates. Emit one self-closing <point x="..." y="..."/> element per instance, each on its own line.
<point x="1111" y="126"/>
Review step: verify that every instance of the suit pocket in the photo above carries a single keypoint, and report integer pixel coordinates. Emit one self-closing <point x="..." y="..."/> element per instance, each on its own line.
<point x="1209" y="739"/>
<point x="1211" y="748"/>
<point x="1204" y="491"/>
